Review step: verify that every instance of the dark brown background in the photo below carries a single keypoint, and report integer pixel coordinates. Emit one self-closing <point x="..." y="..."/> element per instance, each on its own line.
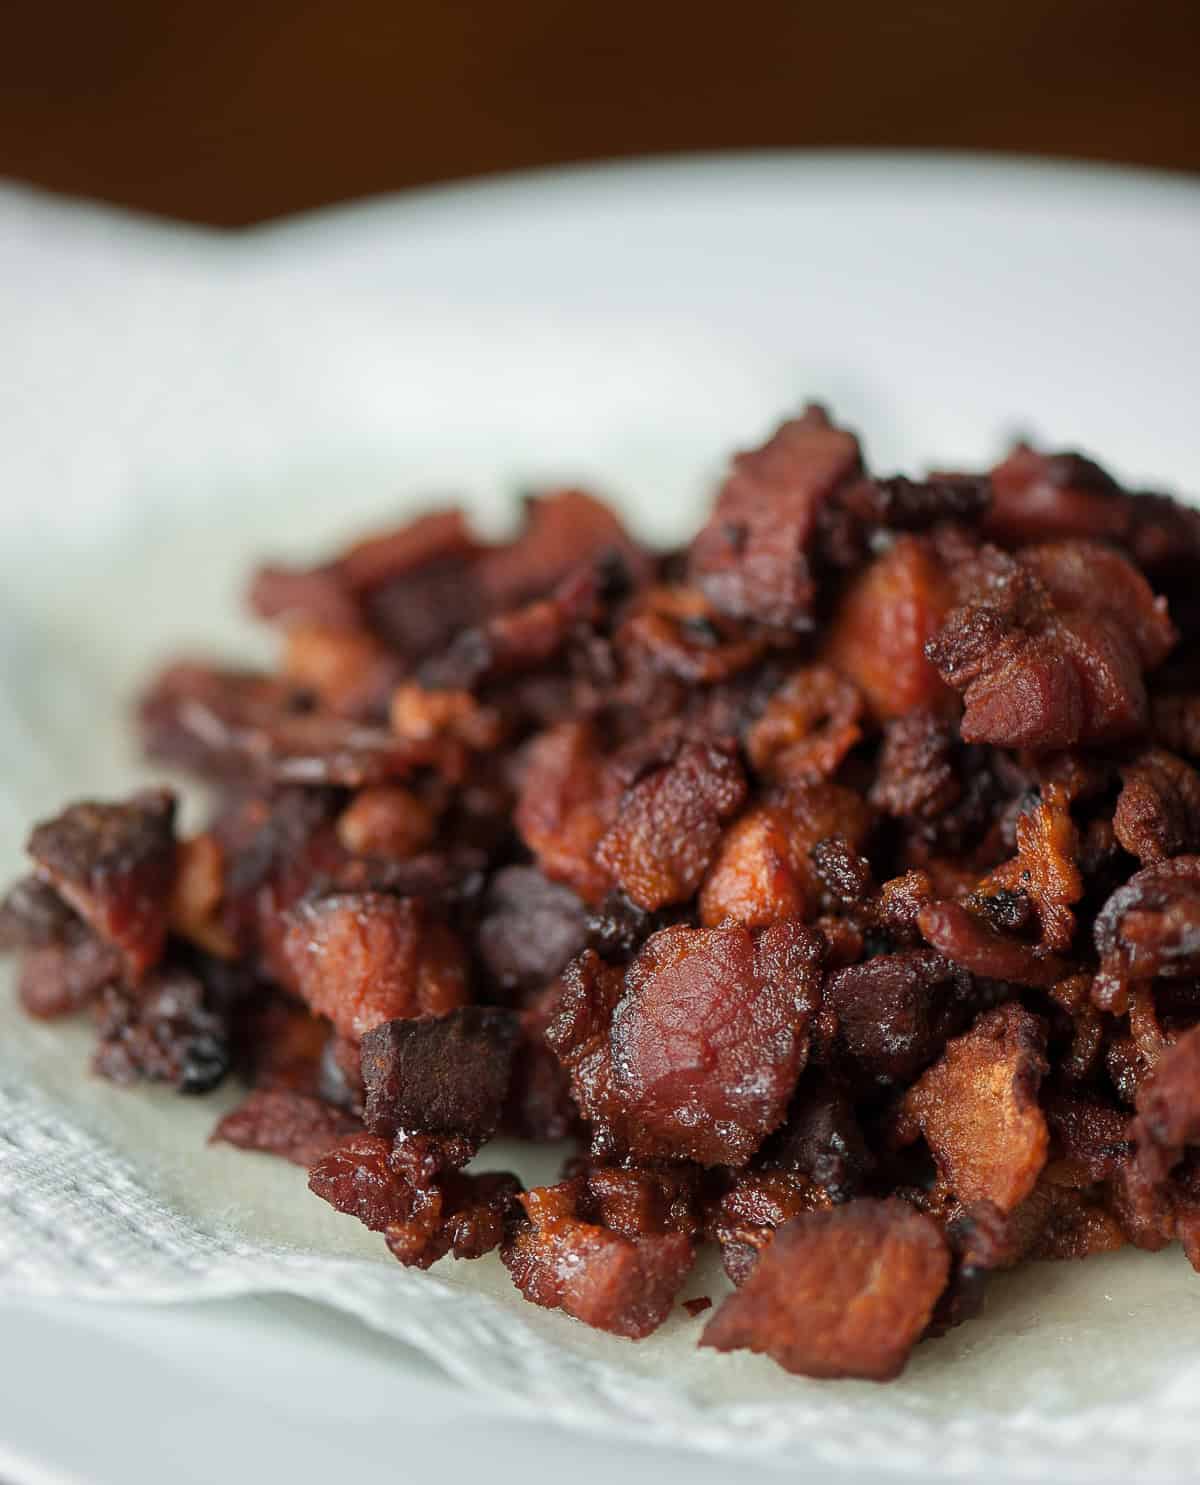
<point x="232" y="113"/>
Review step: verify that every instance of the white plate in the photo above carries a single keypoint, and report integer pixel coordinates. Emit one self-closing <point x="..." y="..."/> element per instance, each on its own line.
<point x="201" y="397"/>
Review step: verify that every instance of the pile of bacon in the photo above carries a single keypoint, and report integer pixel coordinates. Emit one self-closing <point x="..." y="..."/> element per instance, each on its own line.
<point x="832" y="884"/>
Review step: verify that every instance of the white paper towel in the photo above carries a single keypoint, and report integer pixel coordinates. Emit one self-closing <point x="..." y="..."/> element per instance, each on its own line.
<point x="173" y="403"/>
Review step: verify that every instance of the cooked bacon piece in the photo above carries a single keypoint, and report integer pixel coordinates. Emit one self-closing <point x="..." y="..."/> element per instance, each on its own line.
<point x="754" y="1205"/>
<point x="115" y="865"/>
<point x="641" y="1201"/>
<point x="443" y="1076"/>
<point x="531" y="927"/>
<point x="970" y="941"/>
<point x="540" y="1106"/>
<point x="754" y="559"/>
<point x="668" y="825"/>
<point x="356" y="1177"/>
<point x="894" y="1014"/>
<point x="167" y="1030"/>
<point x="917" y="774"/>
<point x="977" y="1108"/>
<point x="363" y="958"/>
<point x="350" y="671"/>
<point x="387" y="820"/>
<point x="294" y="1126"/>
<point x="463" y="1215"/>
<point x="845" y="875"/>
<point x="282" y="1044"/>
<point x="883" y="623"/>
<point x="382" y="558"/>
<point x="294" y="595"/>
<point x="1175" y="722"/>
<point x="623" y="1285"/>
<point x="198" y="894"/>
<point x="1050" y="648"/>
<point x="1167" y="1124"/>
<point x="563" y="530"/>
<point x="34" y="916"/>
<point x="224" y="724"/>
<point x="676" y="631"/>
<point x="763" y="871"/>
<point x="1042" y="497"/>
<point x="1045" y="868"/>
<point x="566" y="802"/>
<point x="842" y="1293"/>
<point x="61" y="979"/>
<point x="693" y="1052"/>
<point x="417" y="1197"/>
<point x="423" y="714"/>
<point x="1148" y="929"/>
<point x="1158" y="810"/>
<point x="822" y="1140"/>
<point x="810" y="723"/>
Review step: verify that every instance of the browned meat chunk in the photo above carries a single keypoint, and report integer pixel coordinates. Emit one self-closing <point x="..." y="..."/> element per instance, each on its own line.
<point x="894" y="1014"/>
<point x="115" y="865"/>
<point x="668" y="825"/>
<point x="883" y="623"/>
<point x="166" y="1031"/>
<point x="810" y="723"/>
<point x="692" y="1052"/>
<point x="448" y="1075"/>
<point x="1050" y="648"/>
<point x="530" y="929"/>
<point x="763" y="871"/>
<point x="754" y="559"/>
<point x="623" y="1285"/>
<point x="1158" y="811"/>
<point x="294" y="1126"/>
<point x="842" y="1293"/>
<point x="362" y="958"/>
<point x="977" y="1108"/>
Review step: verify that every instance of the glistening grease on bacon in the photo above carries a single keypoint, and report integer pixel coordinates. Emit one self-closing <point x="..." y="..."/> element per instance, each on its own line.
<point x="831" y="885"/>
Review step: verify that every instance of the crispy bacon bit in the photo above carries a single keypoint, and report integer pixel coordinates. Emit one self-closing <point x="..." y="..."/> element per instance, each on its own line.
<point x="34" y="916"/>
<point x="677" y="632"/>
<point x="363" y="958"/>
<point x="842" y="1293"/>
<point x="294" y="1126"/>
<point x="350" y="671"/>
<point x="894" y="1014"/>
<point x="754" y="559"/>
<point x="790" y="876"/>
<point x="387" y="820"/>
<point x="1050" y="648"/>
<point x="1045" y="867"/>
<point x="115" y="865"/>
<point x="978" y="1111"/>
<point x="693" y="1052"/>
<point x="668" y="825"/>
<point x="763" y="871"/>
<point x="808" y="727"/>
<point x="1148" y="928"/>
<point x="973" y="944"/>
<point x="749" y="1212"/>
<point x="563" y="531"/>
<point x="224" y="724"/>
<point x="444" y="1076"/>
<point x="883" y="624"/>
<point x="1157" y="815"/>
<point x="165" y="1031"/>
<point x="531" y="927"/>
<point x="61" y="979"/>
<point x="567" y="801"/>
<point x="623" y="1285"/>
<point x="197" y="896"/>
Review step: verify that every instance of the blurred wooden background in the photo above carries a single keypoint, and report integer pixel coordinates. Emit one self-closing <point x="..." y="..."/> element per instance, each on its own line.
<point x="231" y="113"/>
